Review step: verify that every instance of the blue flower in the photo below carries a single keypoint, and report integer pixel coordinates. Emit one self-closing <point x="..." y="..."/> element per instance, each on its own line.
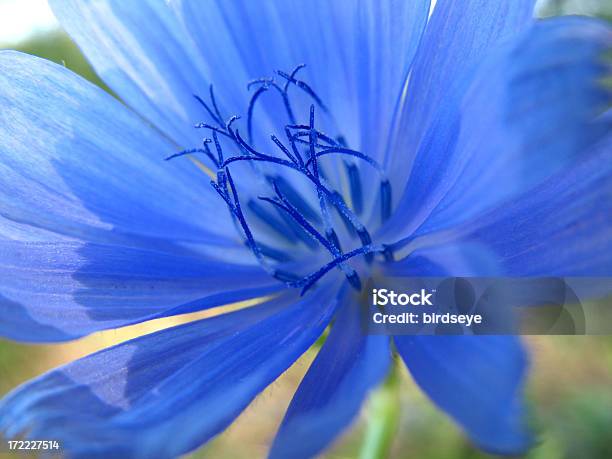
<point x="469" y="142"/>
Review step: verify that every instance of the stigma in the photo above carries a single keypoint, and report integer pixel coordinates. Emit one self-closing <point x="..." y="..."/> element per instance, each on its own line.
<point x="300" y="211"/>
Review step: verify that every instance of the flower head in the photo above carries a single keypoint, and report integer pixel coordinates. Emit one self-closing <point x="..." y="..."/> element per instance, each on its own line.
<point x="335" y="144"/>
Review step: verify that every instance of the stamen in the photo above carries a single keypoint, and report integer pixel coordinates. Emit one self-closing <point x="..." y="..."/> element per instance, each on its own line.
<point x="271" y="220"/>
<point x="293" y="74"/>
<point x="267" y="83"/>
<point x="261" y="158"/>
<point x="329" y="231"/>
<point x="305" y="133"/>
<point x="212" y="128"/>
<point x="295" y="198"/>
<point x="385" y="200"/>
<point x="304" y="87"/>
<point x="287" y="207"/>
<point x="218" y="147"/>
<point x="214" y="102"/>
<point x="347" y="151"/>
<point x="237" y="211"/>
<point x="222" y="180"/>
<point x="284" y="204"/>
<point x="347" y="222"/>
<point x="295" y="219"/>
<point x="205" y="150"/>
<point x="263" y="81"/>
<point x="283" y="149"/>
<point x="210" y="112"/>
<point x="355" y="185"/>
<point x="228" y="126"/>
<point x="311" y="279"/>
<point x="254" y="98"/>
<point x="332" y="237"/>
<point x="294" y="148"/>
<point x="298" y="231"/>
<point x="362" y="232"/>
<point x="287" y="277"/>
<point x="247" y="147"/>
<point x="274" y="254"/>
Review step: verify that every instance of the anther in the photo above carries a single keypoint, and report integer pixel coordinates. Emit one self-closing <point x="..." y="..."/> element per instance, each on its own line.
<point x="282" y="203"/>
<point x="273" y="253"/>
<point x="271" y="220"/>
<point x="355" y="185"/>
<point x="295" y="198"/>
<point x="385" y="200"/>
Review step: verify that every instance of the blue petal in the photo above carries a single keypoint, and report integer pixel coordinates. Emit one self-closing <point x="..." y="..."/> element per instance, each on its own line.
<point x="560" y="228"/>
<point x="59" y="291"/>
<point x="357" y="54"/>
<point x="165" y="394"/>
<point x="96" y="229"/>
<point x="348" y="366"/>
<point x="530" y="109"/>
<point x="75" y="162"/>
<point x="156" y="55"/>
<point x="477" y="381"/>
<point x="141" y="50"/>
<point x="457" y="36"/>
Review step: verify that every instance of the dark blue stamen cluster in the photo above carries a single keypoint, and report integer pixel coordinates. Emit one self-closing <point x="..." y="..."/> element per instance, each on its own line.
<point x="303" y="146"/>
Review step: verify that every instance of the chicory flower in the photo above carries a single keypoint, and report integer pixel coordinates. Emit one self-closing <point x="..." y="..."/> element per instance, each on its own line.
<point x="472" y="141"/>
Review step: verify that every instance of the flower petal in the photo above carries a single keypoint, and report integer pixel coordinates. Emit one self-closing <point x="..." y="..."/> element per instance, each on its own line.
<point x="348" y="366"/>
<point x="75" y="162"/>
<point x="560" y="228"/>
<point x="62" y="290"/>
<point x="457" y="36"/>
<point x="92" y="220"/>
<point x="531" y="109"/>
<point x="358" y="54"/>
<point x="142" y="52"/>
<point x="475" y="379"/>
<point x="165" y="394"/>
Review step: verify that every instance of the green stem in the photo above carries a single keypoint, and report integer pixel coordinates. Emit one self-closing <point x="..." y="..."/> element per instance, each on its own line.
<point x="383" y="418"/>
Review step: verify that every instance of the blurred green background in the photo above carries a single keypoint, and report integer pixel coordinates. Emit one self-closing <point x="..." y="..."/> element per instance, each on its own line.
<point x="570" y="386"/>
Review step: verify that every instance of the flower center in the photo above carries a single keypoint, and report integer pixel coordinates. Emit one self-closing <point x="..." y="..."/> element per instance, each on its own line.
<point x="303" y="205"/>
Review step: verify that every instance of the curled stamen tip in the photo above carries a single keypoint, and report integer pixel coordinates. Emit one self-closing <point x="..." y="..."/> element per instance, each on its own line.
<point x="231" y="121"/>
<point x="265" y="82"/>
